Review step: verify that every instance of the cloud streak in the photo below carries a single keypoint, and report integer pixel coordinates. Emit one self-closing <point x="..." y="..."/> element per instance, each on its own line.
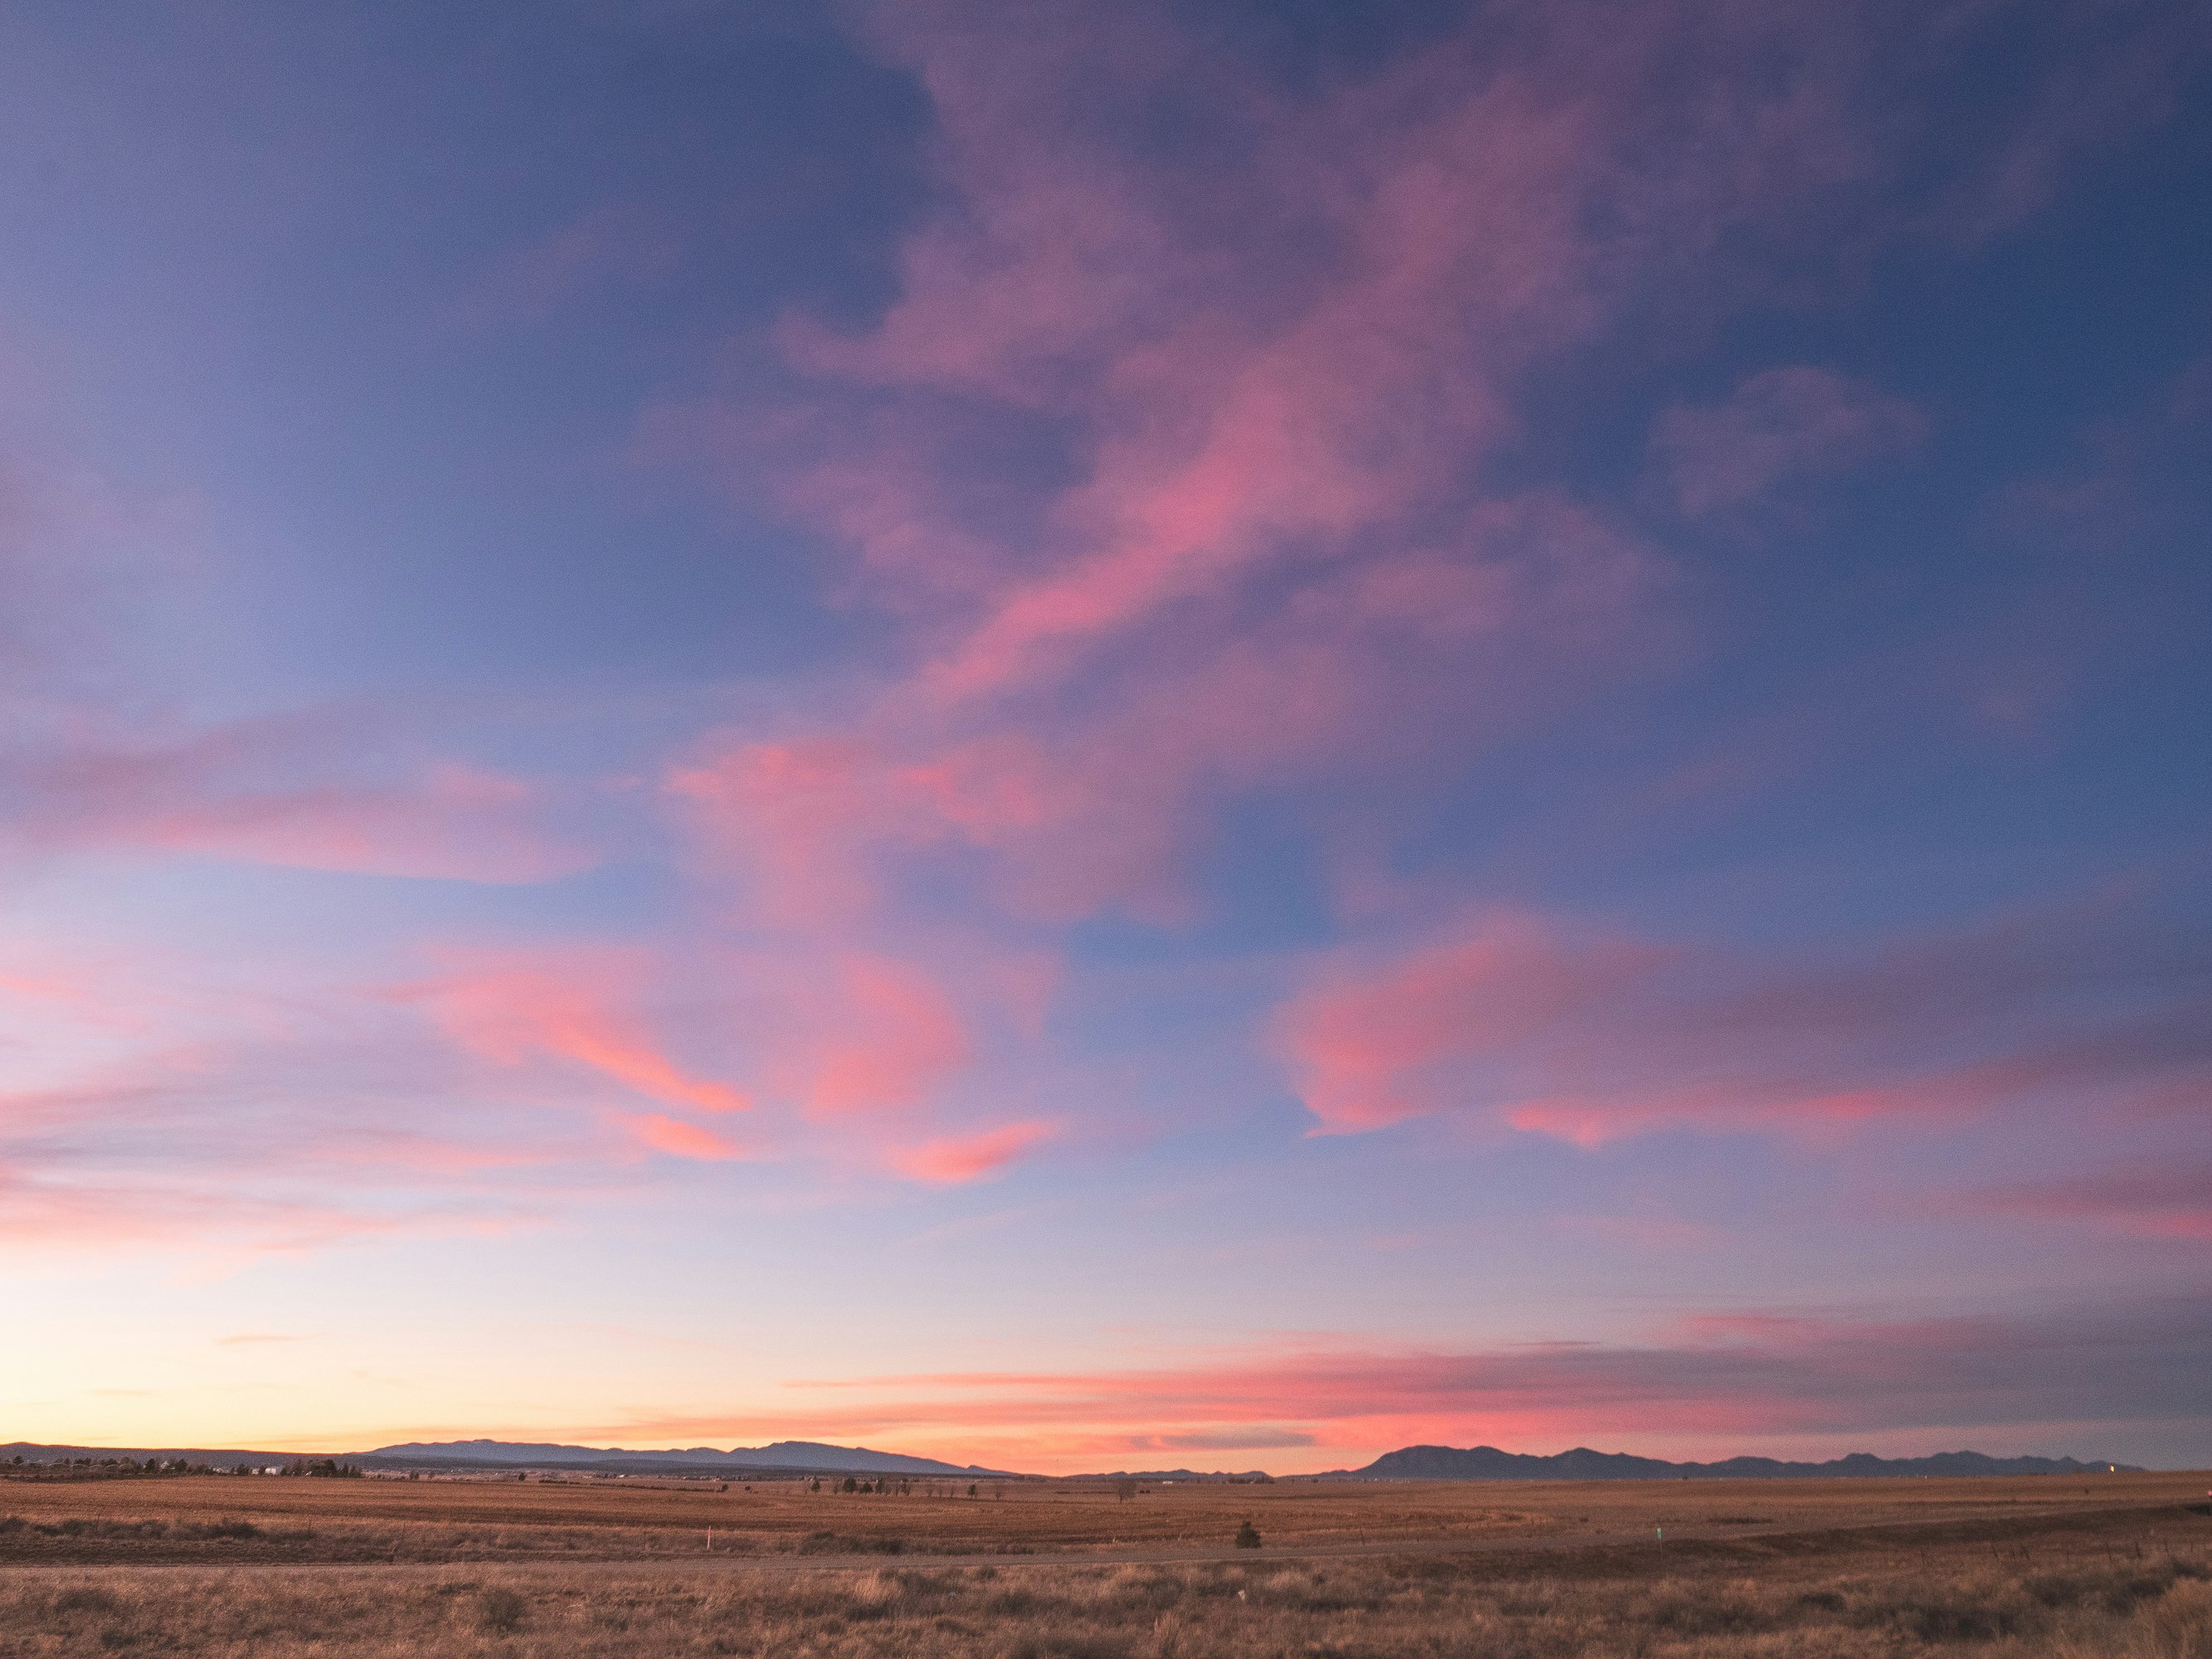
<point x="1780" y="425"/>
<point x="2168" y="1200"/>
<point x="1712" y="1387"/>
<point x="261" y="792"/>
<point x="972" y="1158"/>
<point x="568" y="1006"/>
<point x="1593" y="1040"/>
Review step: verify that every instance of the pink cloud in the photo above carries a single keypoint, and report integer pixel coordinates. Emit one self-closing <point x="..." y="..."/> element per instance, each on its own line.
<point x="1230" y="438"/>
<point x="1363" y="1043"/>
<point x="1597" y="1041"/>
<point x="571" y="1006"/>
<point x="1737" y="1105"/>
<point x="153" y="1127"/>
<point x="1182" y="487"/>
<point x="2166" y="1200"/>
<point x="81" y="1216"/>
<point x="799" y="816"/>
<point x="847" y="1053"/>
<point x="460" y="825"/>
<point x="891" y="1036"/>
<point x="1372" y="667"/>
<point x="1278" y="378"/>
<point x="680" y="1140"/>
<point x="962" y="1159"/>
<point x="96" y="760"/>
<point x="1780" y="424"/>
<point x="249" y="792"/>
<point x="1705" y="1390"/>
<point x="1266" y="557"/>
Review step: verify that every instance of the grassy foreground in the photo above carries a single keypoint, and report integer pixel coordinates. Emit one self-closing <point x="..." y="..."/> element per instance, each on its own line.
<point x="2114" y="1587"/>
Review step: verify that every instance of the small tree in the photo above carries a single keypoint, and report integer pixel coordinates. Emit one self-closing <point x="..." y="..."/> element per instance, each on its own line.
<point x="1247" y="1536"/>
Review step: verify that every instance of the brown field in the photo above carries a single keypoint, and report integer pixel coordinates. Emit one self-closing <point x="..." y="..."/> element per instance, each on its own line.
<point x="1752" y="1569"/>
<point x="616" y="1518"/>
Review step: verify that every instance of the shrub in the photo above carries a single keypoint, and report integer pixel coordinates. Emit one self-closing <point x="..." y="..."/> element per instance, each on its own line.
<point x="87" y="1598"/>
<point x="1955" y="1621"/>
<point x="225" y="1528"/>
<point x="501" y="1610"/>
<point x="837" y="1543"/>
<point x="1247" y="1536"/>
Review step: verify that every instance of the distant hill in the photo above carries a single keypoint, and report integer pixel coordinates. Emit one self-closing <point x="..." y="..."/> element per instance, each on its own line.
<point x="31" y="1452"/>
<point x="785" y="1456"/>
<point x="813" y="1457"/>
<point x="1249" y="1477"/>
<point x="802" y="1457"/>
<point x="1488" y="1463"/>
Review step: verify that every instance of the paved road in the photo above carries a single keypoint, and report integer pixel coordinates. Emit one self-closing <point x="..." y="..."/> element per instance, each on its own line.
<point x="1122" y="1556"/>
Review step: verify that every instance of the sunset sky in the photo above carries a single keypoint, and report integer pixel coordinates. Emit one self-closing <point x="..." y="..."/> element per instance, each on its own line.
<point x="1088" y="736"/>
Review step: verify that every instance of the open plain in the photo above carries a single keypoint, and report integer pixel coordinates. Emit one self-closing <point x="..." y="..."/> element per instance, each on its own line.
<point x="431" y="1520"/>
<point x="237" y="1566"/>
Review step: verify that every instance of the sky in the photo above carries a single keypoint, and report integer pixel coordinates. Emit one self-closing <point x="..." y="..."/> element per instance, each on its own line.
<point x="1094" y="736"/>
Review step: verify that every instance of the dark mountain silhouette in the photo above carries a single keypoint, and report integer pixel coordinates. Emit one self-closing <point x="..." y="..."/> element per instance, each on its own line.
<point x="799" y="1457"/>
<point x="789" y="1457"/>
<point x="785" y="1457"/>
<point x="1488" y="1463"/>
<point x="31" y="1452"/>
<point x="1249" y="1477"/>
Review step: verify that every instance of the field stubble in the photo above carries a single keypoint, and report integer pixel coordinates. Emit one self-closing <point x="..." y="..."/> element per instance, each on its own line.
<point x="1997" y="1568"/>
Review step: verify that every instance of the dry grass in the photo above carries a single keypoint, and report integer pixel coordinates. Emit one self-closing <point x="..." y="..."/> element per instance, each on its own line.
<point x="2118" y="1587"/>
<point x="1893" y="1569"/>
<point x="427" y="1520"/>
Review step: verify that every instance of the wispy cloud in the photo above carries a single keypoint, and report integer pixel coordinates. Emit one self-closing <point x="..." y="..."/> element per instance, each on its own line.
<point x="1780" y="425"/>
<point x="971" y="1158"/>
<point x="1710" y="1385"/>
<point x="2170" y="1200"/>
<point x="1593" y="1039"/>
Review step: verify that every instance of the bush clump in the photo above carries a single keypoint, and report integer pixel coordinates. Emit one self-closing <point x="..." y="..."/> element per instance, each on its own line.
<point x="87" y="1598"/>
<point x="838" y="1543"/>
<point x="501" y="1610"/>
<point x="225" y="1528"/>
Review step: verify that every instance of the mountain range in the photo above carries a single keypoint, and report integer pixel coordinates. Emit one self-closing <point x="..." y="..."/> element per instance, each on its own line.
<point x="813" y="1457"/>
<point x="784" y="1457"/>
<point x="801" y="1456"/>
<point x="1488" y="1463"/>
<point x="1247" y="1476"/>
